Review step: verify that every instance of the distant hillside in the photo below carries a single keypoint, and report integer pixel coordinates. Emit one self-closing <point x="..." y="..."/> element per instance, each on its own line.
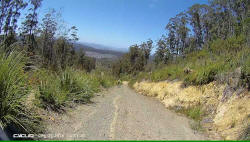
<point x="98" y="53"/>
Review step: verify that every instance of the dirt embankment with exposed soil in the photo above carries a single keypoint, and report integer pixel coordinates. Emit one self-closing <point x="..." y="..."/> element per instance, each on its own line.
<point x="225" y="111"/>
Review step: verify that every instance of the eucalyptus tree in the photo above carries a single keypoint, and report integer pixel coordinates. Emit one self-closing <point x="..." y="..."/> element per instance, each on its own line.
<point x="172" y="39"/>
<point x="73" y="37"/>
<point x="162" y="54"/>
<point x="10" y="12"/>
<point x="146" y="48"/>
<point x="49" y="28"/>
<point x="182" y="30"/>
<point x="30" y="25"/>
<point x="196" y="22"/>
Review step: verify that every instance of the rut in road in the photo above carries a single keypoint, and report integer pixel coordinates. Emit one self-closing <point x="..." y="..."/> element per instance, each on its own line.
<point x="122" y="114"/>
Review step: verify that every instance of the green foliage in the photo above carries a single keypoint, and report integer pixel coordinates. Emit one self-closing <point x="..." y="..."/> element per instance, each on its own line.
<point x="139" y="77"/>
<point x="203" y="74"/>
<point x="86" y="63"/>
<point x="13" y="91"/>
<point x="194" y="112"/>
<point x="77" y="85"/>
<point x="50" y="93"/>
<point x="204" y="66"/>
<point x="230" y="45"/>
<point x="103" y="78"/>
<point x="245" y="73"/>
<point x="170" y="72"/>
<point x="162" y="54"/>
<point x="135" y="60"/>
<point x="57" y="90"/>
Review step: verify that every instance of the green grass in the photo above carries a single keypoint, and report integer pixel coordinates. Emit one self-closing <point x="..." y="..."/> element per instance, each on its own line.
<point x="50" y="93"/>
<point x="194" y="112"/>
<point x="245" y="73"/>
<point x="172" y="71"/>
<point x="204" y="74"/>
<point x="77" y="85"/>
<point x="57" y="90"/>
<point x="104" y="78"/>
<point x="13" y="91"/>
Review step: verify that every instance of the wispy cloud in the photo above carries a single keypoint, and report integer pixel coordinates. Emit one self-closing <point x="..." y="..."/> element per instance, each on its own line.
<point x="152" y="3"/>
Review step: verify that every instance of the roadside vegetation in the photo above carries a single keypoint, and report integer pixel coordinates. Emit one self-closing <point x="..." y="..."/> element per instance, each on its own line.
<point x="13" y="89"/>
<point x="55" y="91"/>
<point x="204" y="44"/>
<point x="39" y="67"/>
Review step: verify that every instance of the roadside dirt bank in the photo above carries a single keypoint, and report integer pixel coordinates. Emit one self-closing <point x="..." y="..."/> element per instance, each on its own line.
<point x="225" y="111"/>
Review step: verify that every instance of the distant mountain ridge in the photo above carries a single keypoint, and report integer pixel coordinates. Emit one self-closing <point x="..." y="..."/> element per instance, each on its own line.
<point x="98" y="53"/>
<point x="100" y="46"/>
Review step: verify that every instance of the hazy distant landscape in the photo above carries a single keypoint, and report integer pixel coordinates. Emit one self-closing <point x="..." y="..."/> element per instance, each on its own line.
<point x="98" y="51"/>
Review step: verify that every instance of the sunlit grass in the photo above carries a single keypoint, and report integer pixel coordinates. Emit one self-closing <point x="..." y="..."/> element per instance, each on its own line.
<point x="13" y="91"/>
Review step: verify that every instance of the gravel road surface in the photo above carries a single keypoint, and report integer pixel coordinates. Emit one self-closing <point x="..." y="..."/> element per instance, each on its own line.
<point x="121" y="114"/>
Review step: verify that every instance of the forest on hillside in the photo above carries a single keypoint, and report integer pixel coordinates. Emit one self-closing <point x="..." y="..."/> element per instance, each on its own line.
<point x="201" y="44"/>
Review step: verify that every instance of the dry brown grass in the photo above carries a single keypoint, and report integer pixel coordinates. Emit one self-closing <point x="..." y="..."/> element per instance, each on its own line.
<point x="231" y="117"/>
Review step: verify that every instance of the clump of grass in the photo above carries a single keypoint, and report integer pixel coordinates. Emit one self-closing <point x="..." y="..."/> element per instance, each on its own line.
<point x="196" y="125"/>
<point x="57" y="90"/>
<point x="77" y="84"/>
<point x="103" y="78"/>
<point x="14" y="116"/>
<point x="141" y="76"/>
<point x="194" y="112"/>
<point x="204" y="74"/>
<point x="49" y="92"/>
<point x="172" y="71"/>
<point x="245" y="73"/>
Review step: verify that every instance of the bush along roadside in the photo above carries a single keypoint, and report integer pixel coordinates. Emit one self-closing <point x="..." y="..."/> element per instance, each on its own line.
<point x="58" y="90"/>
<point x="15" y="117"/>
<point x="24" y="94"/>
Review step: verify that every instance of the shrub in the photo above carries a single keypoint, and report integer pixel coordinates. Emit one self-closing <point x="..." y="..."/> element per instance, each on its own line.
<point x="77" y="84"/>
<point x="57" y="90"/>
<point x="14" y="116"/>
<point x="194" y="112"/>
<point x="50" y="93"/>
<point x="103" y="78"/>
<point x="169" y="72"/>
<point x="245" y="73"/>
<point x="204" y="74"/>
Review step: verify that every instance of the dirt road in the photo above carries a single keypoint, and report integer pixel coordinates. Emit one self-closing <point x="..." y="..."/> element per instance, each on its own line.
<point x="121" y="114"/>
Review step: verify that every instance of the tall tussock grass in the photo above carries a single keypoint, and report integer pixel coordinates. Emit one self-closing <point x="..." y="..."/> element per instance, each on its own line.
<point x="103" y="78"/>
<point x="14" y="116"/>
<point x="57" y="90"/>
<point x="49" y="93"/>
<point x="52" y="90"/>
<point x="78" y="85"/>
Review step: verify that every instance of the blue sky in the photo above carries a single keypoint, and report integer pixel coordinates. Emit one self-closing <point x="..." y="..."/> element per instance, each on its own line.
<point x="119" y="23"/>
